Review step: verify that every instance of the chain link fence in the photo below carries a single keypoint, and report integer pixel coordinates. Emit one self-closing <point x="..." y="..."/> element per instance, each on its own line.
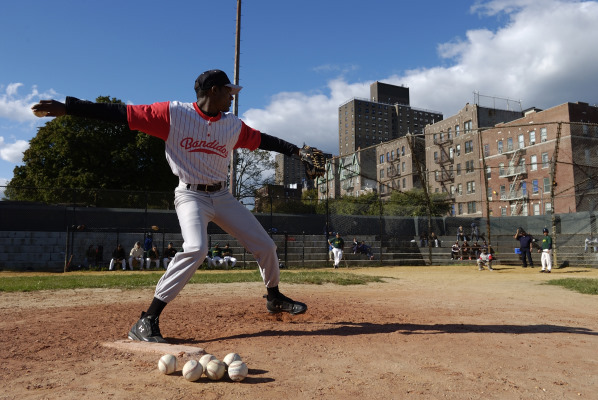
<point x="533" y="176"/>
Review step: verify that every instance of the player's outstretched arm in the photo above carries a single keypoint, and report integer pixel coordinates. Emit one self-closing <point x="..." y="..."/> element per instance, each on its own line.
<point x="109" y="112"/>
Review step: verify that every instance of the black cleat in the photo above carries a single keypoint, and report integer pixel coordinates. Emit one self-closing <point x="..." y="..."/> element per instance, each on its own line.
<point x="282" y="303"/>
<point x="147" y="329"/>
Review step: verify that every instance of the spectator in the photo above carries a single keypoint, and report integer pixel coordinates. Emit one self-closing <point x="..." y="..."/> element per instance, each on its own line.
<point x="434" y="240"/>
<point x="153" y="255"/>
<point x="461" y="234"/>
<point x="476" y="249"/>
<point x="227" y="254"/>
<point x="100" y="254"/>
<point x="363" y="248"/>
<point x="136" y="256"/>
<point x="475" y="232"/>
<point x="337" y="248"/>
<point x="118" y="256"/>
<point x="90" y="256"/>
<point x="216" y="255"/>
<point x="485" y="259"/>
<point x="423" y="239"/>
<point x="455" y="251"/>
<point x="148" y="243"/>
<point x="525" y="246"/>
<point x="355" y="246"/>
<point x="591" y="240"/>
<point x="546" y="252"/>
<point x="169" y="254"/>
<point x="465" y="250"/>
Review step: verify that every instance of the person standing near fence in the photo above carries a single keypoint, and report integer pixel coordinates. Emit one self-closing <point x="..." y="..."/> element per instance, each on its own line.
<point x="199" y="138"/>
<point x="546" y="252"/>
<point x="525" y="246"/>
<point x="338" y="244"/>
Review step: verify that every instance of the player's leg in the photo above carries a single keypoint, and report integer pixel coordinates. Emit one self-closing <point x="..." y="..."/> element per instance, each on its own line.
<point x="194" y="211"/>
<point x="239" y="222"/>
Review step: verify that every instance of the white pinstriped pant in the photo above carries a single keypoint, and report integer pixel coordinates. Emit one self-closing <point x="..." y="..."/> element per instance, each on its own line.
<point x="195" y="210"/>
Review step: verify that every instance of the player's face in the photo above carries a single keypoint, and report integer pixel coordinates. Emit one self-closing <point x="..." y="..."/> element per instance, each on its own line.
<point x="223" y="98"/>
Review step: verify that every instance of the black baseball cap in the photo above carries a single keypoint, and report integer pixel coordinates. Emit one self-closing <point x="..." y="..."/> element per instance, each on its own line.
<point x="215" y="77"/>
<point x="544" y="230"/>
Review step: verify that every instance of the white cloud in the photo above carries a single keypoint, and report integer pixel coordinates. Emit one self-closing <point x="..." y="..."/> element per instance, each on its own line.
<point x="16" y="107"/>
<point x="543" y="55"/>
<point x="13" y="152"/>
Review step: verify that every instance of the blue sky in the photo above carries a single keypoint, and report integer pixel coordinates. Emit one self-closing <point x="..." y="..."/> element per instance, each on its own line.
<point x="299" y="60"/>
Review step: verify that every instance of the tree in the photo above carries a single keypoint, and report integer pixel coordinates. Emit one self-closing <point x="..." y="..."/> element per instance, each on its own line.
<point x="254" y="170"/>
<point x="79" y="153"/>
<point x="413" y="203"/>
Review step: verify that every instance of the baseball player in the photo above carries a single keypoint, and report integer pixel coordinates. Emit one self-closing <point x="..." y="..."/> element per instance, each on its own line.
<point x="153" y="255"/>
<point x="118" y="256"/>
<point x="546" y="251"/>
<point x="227" y="254"/>
<point x="337" y="244"/>
<point x="136" y="254"/>
<point x="485" y="259"/>
<point x="216" y="259"/>
<point x="199" y="138"/>
<point x="169" y="254"/>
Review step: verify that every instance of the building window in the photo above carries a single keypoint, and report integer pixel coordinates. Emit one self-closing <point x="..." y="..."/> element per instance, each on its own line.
<point x="458" y="150"/>
<point x="535" y="187"/>
<point x="503" y="211"/>
<point x="467" y="126"/>
<point x="471" y="207"/>
<point x="460" y="189"/>
<point x="532" y="138"/>
<point x="460" y="207"/>
<point x="468" y="166"/>
<point x="486" y="150"/>
<point x="456" y="130"/>
<point x="403" y="167"/>
<point x="488" y="172"/>
<point x="381" y="173"/>
<point x="459" y="169"/>
<point x="468" y="146"/>
<point x="543" y="136"/>
<point x="489" y="193"/>
<point x="546" y="185"/>
<point x="501" y="169"/>
<point x="547" y="208"/>
<point x="404" y="181"/>
<point x="544" y="160"/>
<point x="500" y="147"/>
<point x="503" y="191"/>
<point x="509" y="144"/>
<point x="381" y="158"/>
<point x="470" y="187"/>
<point x="534" y="162"/>
<point x="435" y="156"/>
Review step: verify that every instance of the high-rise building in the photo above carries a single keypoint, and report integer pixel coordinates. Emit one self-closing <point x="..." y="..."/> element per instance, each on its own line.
<point x="385" y="116"/>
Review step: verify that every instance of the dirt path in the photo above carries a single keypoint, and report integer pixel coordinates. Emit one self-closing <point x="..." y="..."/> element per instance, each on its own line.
<point x="425" y="333"/>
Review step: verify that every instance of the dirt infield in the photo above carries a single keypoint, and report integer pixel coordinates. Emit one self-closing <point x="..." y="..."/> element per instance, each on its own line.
<point x="425" y="333"/>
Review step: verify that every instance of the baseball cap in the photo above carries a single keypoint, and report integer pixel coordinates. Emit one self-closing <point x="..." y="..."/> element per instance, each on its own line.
<point x="215" y="77"/>
<point x="545" y="230"/>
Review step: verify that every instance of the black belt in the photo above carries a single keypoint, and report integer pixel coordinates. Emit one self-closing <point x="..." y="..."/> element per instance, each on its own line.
<point x="205" y="188"/>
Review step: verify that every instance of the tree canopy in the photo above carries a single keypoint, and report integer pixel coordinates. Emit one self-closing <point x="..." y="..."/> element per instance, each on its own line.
<point x="79" y="153"/>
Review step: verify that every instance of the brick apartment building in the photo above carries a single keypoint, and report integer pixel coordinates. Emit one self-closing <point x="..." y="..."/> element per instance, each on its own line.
<point x="397" y="165"/>
<point x="519" y="157"/>
<point x="452" y="156"/>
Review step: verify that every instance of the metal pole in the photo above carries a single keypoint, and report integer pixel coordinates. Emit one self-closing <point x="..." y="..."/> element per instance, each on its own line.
<point x="233" y="155"/>
<point x="552" y="187"/>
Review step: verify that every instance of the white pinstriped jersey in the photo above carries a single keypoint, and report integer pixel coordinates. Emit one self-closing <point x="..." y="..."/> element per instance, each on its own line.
<point x="197" y="146"/>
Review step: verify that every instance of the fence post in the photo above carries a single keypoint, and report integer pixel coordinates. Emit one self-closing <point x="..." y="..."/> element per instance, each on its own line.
<point x="555" y="157"/>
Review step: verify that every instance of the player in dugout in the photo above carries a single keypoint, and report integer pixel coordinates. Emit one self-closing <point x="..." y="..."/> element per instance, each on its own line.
<point x="199" y="137"/>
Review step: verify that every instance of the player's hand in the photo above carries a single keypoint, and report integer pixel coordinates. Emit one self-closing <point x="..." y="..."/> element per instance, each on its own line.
<point x="49" y="108"/>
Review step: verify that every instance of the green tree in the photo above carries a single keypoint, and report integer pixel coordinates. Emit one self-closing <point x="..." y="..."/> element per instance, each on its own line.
<point x="79" y="153"/>
<point x="413" y="203"/>
<point x="254" y="170"/>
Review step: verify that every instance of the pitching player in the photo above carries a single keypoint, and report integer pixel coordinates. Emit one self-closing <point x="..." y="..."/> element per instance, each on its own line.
<point x="199" y="138"/>
<point x="338" y="244"/>
<point x="546" y="251"/>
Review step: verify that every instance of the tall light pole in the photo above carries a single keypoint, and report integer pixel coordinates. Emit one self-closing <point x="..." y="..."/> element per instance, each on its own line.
<point x="233" y="156"/>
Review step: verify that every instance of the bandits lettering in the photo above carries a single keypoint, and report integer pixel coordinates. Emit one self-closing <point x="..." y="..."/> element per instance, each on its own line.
<point x="202" y="146"/>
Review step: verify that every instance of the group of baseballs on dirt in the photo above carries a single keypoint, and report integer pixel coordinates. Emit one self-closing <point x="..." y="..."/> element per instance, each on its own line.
<point x="208" y="365"/>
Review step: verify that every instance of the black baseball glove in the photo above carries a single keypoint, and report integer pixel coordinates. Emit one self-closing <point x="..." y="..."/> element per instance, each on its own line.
<point x="313" y="161"/>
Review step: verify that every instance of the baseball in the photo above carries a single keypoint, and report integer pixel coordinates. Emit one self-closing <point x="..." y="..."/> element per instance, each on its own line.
<point x="40" y="114"/>
<point x="192" y="370"/>
<point x="230" y="357"/>
<point x="237" y="371"/>
<point x="215" y="370"/>
<point x="204" y="360"/>
<point x="167" y="364"/>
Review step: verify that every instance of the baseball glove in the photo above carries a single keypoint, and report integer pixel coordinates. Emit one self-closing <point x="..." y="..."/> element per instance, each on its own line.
<point x="313" y="161"/>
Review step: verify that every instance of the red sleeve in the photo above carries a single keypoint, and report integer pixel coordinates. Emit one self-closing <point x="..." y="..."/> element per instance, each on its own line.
<point x="153" y="119"/>
<point x="249" y="138"/>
